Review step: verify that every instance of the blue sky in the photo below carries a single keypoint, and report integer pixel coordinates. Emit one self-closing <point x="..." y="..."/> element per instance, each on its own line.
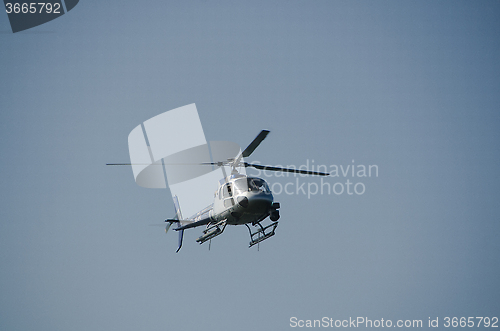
<point x="412" y="87"/>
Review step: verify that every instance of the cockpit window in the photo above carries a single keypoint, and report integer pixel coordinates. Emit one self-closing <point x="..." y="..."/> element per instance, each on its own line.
<point x="257" y="185"/>
<point x="240" y="185"/>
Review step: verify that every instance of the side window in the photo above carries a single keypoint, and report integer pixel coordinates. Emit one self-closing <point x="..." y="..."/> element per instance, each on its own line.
<point x="226" y="191"/>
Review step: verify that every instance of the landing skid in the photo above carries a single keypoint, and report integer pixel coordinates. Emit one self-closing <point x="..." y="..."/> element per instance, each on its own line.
<point x="212" y="231"/>
<point x="262" y="233"/>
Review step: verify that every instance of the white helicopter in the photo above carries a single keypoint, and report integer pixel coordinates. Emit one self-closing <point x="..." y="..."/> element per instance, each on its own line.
<point x="239" y="199"/>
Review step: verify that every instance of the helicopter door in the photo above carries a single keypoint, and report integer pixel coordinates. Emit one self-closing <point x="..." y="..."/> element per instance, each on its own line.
<point x="227" y="195"/>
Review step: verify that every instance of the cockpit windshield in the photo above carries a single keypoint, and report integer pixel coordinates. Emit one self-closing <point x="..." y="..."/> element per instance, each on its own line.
<point x="250" y="185"/>
<point x="257" y="185"/>
<point x="240" y="185"/>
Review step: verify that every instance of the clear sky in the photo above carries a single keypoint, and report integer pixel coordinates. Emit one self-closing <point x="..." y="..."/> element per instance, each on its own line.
<point x="410" y="86"/>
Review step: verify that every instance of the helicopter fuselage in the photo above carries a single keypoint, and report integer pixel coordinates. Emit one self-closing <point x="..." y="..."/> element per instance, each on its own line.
<point x="241" y="199"/>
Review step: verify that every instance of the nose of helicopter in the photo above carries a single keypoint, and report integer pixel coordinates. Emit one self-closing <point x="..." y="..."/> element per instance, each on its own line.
<point x="256" y="203"/>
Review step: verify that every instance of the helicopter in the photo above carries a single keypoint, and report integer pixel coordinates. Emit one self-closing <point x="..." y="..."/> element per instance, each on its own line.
<point x="239" y="200"/>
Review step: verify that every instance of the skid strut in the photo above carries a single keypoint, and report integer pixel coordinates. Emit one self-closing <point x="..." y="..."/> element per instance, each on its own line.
<point x="261" y="234"/>
<point x="212" y="231"/>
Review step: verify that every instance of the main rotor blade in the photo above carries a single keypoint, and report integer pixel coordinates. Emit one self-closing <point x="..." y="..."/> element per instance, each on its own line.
<point x="129" y="164"/>
<point x="271" y="168"/>
<point x="257" y="166"/>
<point x="255" y="143"/>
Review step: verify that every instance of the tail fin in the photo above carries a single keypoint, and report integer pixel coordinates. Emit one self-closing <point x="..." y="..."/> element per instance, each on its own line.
<point x="178" y="216"/>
